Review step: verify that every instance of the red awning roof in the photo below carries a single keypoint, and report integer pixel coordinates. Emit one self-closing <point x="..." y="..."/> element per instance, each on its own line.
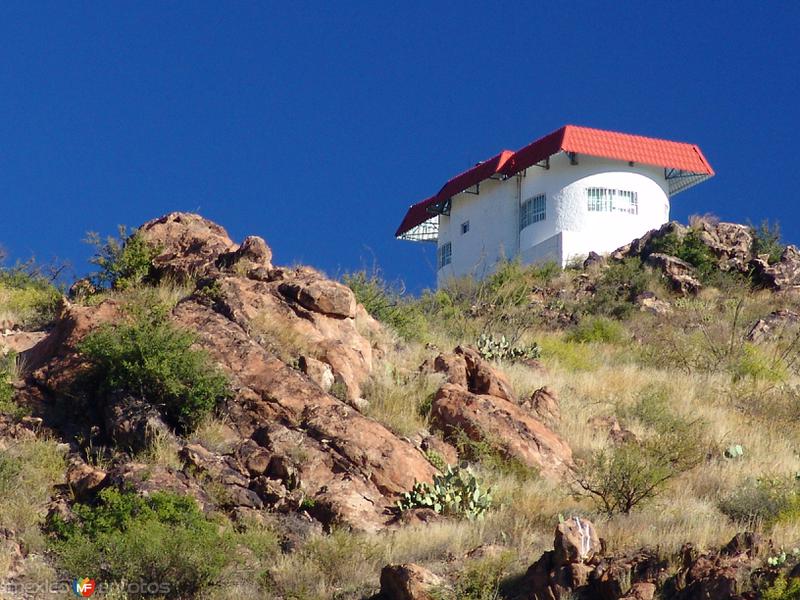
<point x="678" y="156"/>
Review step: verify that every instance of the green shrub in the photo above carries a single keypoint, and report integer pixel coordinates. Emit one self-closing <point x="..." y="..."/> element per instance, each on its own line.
<point x="149" y="357"/>
<point x="27" y="297"/>
<point x="387" y="305"/>
<point x="161" y="538"/>
<point x="456" y="491"/>
<point x="689" y="248"/>
<point x="124" y="261"/>
<point x="765" y="501"/>
<point x="596" y="330"/>
<point x="617" y="287"/>
<point x="479" y="580"/>
<point x="6" y="389"/>
<point x="782" y="589"/>
<point x="767" y="240"/>
<point x="632" y="473"/>
<point x="754" y="364"/>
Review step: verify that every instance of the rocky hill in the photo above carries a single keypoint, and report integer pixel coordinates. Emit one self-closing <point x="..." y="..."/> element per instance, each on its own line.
<point x="196" y="418"/>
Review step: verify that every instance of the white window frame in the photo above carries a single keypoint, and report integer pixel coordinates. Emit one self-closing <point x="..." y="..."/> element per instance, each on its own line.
<point x="601" y="199"/>
<point x="533" y="210"/>
<point x="444" y="254"/>
<point x="465" y="227"/>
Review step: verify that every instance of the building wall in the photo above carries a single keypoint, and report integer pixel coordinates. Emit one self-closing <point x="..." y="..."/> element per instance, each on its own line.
<point x="569" y="228"/>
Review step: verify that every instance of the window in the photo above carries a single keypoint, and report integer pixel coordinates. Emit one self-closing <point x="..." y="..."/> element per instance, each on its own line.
<point x="464" y="227"/>
<point x="610" y="200"/>
<point x="532" y="211"/>
<point x="445" y="254"/>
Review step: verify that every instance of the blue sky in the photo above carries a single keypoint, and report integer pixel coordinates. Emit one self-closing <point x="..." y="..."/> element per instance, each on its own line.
<point x="315" y="125"/>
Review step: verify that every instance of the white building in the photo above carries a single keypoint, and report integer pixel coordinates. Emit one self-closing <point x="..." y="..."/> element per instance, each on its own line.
<point x="571" y="192"/>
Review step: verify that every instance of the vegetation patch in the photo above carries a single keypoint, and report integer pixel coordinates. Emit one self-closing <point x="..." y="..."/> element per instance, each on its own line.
<point x="123" y="262"/>
<point x="455" y="491"/>
<point x="162" y="538"/>
<point x="151" y="358"/>
<point x="27" y="298"/>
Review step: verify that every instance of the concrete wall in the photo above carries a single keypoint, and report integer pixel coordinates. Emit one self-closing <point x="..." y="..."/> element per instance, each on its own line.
<point x="494" y="215"/>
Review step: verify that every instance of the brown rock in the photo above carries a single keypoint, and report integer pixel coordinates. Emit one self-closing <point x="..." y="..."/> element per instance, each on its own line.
<point x="408" y="582"/>
<point x="575" y="541"/>
<point x="19" y="341"/>
<point x="251" y="255"/>
<point x="83" y="479"/>
<point x="641" y="591"/>
<point x="454" y="368"/>
<point x="146" y="479"/>
<point x="503" y="424"/>
<point x="783" y="275"/>
<point x="133" y="424"/>
<point x="679" y="273"/>
<point x="483" y="378"/>
<point x="543" y="403"/>
<point x="318" y="372"/>
<point x="776" y="325"/>
<point x="321" y="295"/>
<point x="189" y="244"/>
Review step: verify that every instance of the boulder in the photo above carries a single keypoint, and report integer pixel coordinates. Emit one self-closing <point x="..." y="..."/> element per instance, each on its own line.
<point x="781" y="276"/>
<point x="408" y="582"/>
<point x="543" y="404"/>
<point x="83" y="479"/>
<point x="503" y="424"/>
<point x="252" y="257"/>
<point x="678" y="272"/>
<point x="322" y="296"/>
<point x="133" y="424"/>
<point x="319" y="372"/>
<point x="465" y="368"/>
<point x="774" y="326"/>
<point x="575" y="541"/>
<point x="188" y="244"/>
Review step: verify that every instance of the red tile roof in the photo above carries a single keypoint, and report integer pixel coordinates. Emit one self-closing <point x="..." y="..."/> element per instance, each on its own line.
<point x="570" y="138"/>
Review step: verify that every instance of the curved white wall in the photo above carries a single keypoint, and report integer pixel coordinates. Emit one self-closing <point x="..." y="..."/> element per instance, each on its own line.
<point x="568" y="208"/>
<point x="569" y="228"/>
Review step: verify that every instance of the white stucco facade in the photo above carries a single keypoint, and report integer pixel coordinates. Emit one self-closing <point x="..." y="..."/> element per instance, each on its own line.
<point x="569" y="228"/>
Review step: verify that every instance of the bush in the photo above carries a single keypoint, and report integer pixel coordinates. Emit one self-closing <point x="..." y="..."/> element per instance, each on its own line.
<point x="691" y="249"/>
<point x="454" y="492"/>
<point x="387" y="305"/>
<point x="625" y="476"/>
<point x="765" y="501"/>
<point x="597" y="330"/>
<point x="6" y="389"/>
<point x="27" y="297"/>
<point x="162" y="538"/>
<point x="617" y="288"/>
<point x="151" y="358"/>
<point x="783" y="589"/>
<point x="767" y="240"/>
<point x="480" y="580"/>
<point x="124" y="261"/>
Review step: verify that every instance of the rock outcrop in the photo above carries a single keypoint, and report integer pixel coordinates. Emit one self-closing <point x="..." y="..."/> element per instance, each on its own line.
<point x="292" y="441"/>
<point x="477" y="401"/>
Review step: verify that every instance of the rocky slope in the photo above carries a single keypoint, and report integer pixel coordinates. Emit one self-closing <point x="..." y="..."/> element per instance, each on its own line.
<point x="297" y="441"/>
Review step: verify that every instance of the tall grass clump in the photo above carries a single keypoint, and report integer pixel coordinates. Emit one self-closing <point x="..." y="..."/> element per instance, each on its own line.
<point x="387" y="304"/>
<point x="27" y="298"/>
